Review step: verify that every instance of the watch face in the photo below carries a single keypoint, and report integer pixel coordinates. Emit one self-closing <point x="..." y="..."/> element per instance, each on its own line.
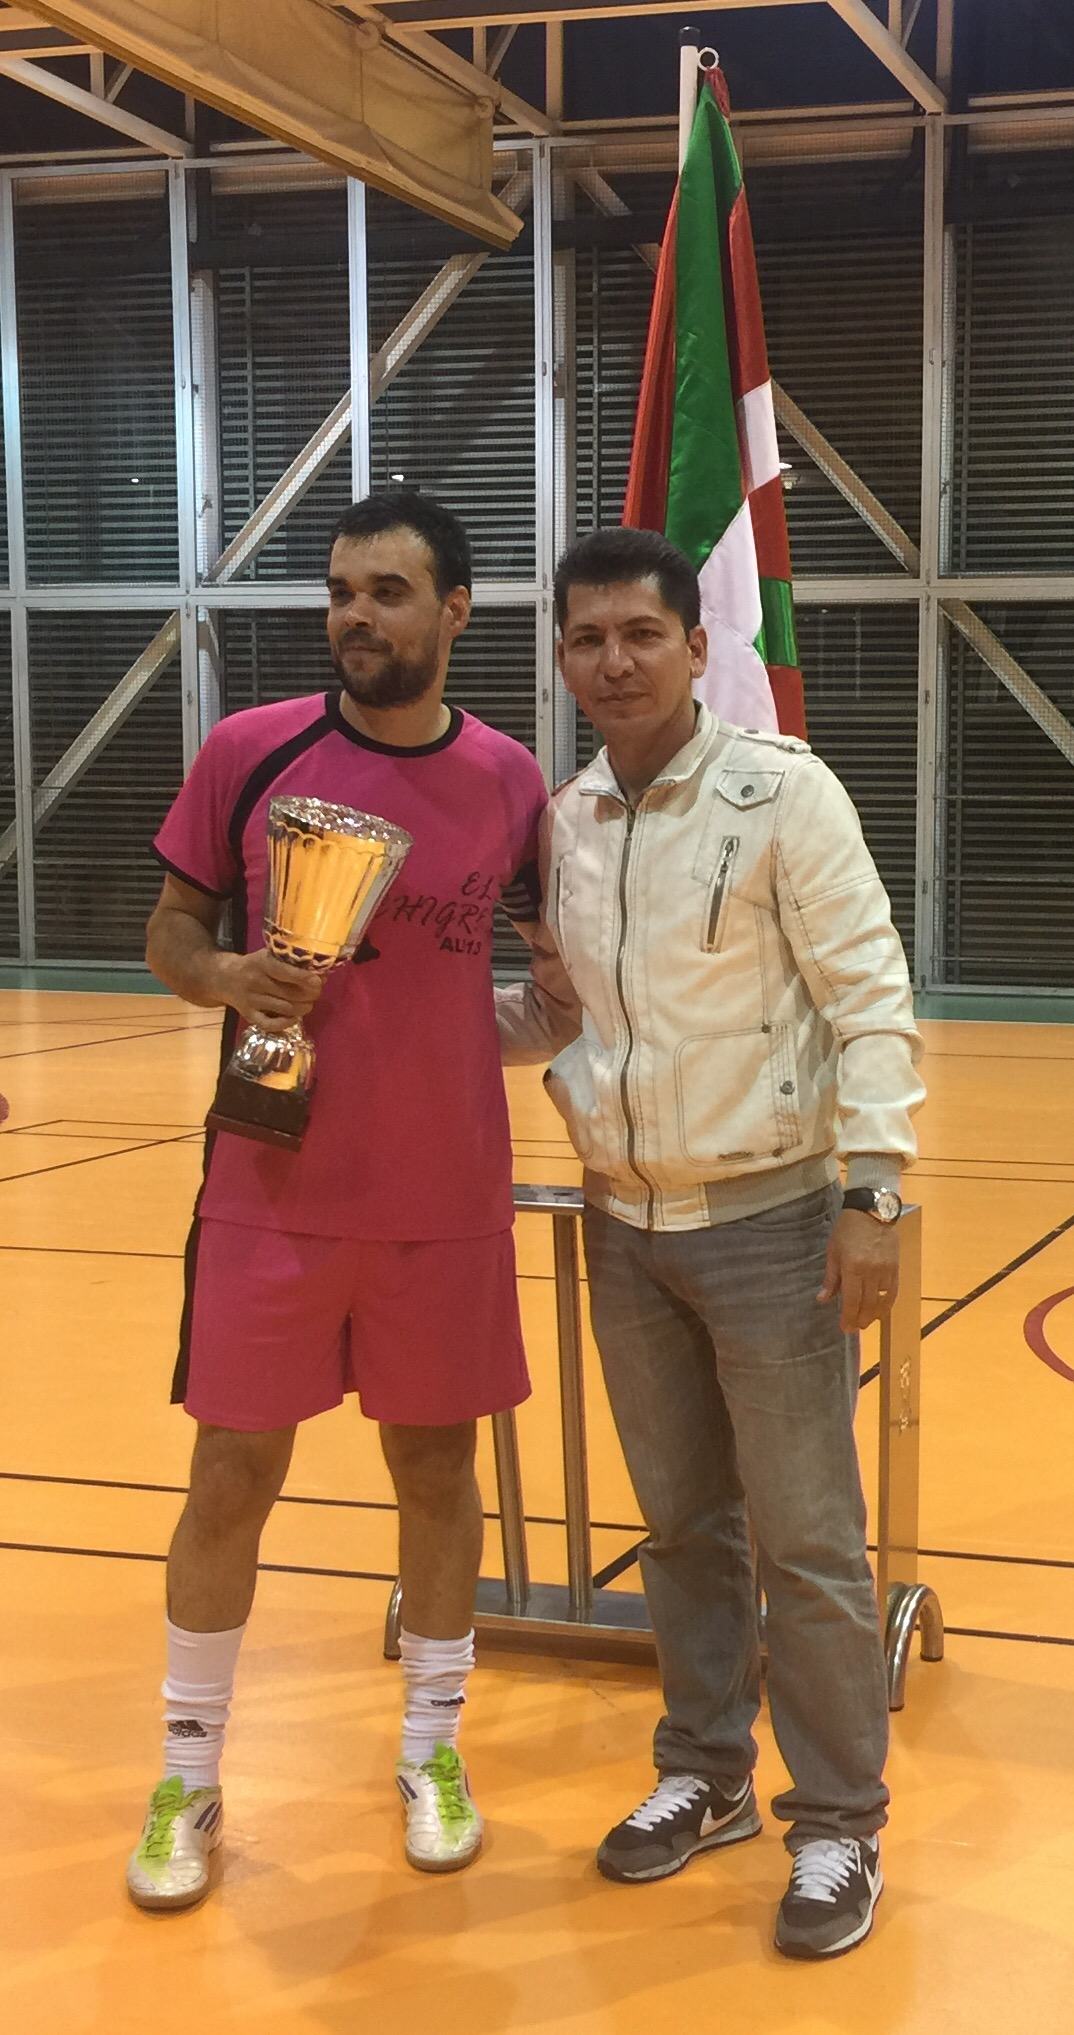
<point x="888" y="1205"/>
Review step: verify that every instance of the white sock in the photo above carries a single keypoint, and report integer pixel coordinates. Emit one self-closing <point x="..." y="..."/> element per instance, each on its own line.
<point x="435" y="1672"/>
<point x="197" y="1695"/>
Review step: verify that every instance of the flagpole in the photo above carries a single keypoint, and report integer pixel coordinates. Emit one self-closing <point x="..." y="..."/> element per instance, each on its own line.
<point x="689" y="41"/>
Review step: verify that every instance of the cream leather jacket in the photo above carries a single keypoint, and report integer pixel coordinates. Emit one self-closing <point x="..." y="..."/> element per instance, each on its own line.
<point x="717" y="977"/>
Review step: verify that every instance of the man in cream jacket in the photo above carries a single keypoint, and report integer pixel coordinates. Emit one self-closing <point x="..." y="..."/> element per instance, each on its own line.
<point x="726" y="1007"/>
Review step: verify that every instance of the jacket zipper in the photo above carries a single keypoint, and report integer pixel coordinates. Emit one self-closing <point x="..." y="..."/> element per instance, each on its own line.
<point x="624" y="1094"/>
<point x="719" y="889"/>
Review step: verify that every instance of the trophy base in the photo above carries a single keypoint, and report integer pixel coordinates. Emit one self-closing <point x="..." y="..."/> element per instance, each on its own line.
<point x="249" y="1109"/>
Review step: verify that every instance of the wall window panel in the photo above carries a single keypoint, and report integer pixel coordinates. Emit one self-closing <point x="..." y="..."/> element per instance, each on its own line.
<point x="1007" y="808"/>
<point x="98" y="400"/>
<point x="95" y="878"/>
<point x="458" y="419"/>
<point x="283" y="342"/>
<point x="9" y="896"/>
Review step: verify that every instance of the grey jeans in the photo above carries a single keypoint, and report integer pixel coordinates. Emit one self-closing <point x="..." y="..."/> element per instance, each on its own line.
<point x="730" y="1386"/>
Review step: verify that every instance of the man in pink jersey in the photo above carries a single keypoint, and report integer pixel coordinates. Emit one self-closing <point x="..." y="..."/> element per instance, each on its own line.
<point x="378" y="1258"/>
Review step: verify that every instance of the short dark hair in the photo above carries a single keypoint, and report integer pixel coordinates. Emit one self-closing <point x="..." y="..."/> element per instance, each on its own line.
<point x="405" y="509"/>
<point x="611" y="557"/>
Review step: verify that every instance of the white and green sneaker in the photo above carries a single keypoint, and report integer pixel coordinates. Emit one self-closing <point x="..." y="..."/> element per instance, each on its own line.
<point x="443" y="1828"/>
<point x="183" y="1826"/>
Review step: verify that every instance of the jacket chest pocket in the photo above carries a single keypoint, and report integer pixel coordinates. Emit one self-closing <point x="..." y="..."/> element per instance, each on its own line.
<point x="557" y="910"/>
<point x="715" y="913"/>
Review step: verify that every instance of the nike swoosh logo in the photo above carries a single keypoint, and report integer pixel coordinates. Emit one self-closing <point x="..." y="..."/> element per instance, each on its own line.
<point x="709" y="1822"/>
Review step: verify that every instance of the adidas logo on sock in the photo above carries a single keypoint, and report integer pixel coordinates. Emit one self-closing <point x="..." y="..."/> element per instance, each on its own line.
<point x="186" y="1727"/>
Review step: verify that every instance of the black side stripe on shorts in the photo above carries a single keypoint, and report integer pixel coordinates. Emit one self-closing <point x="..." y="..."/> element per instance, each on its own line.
<point x="258" y="782"/>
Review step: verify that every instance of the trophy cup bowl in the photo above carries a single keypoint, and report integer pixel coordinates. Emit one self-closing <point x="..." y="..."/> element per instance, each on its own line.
<point x="328" y="869"/>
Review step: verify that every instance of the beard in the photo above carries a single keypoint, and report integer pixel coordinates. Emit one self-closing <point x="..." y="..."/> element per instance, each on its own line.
<point x="393" y="680"/>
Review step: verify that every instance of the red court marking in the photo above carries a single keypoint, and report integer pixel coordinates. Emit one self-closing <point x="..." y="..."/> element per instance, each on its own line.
<point x="1038" y="1341"/>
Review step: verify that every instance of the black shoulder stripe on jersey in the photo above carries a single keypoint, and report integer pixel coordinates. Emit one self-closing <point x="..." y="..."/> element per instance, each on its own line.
<point x="263" y="774"/>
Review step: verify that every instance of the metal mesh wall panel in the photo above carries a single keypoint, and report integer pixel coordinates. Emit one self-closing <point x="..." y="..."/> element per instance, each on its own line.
<point x="283" y="341"/>
<point x="9" y="898"/>
<point x="457" y="421"/>
<point x="1012" y="507"/>
<point x="1008" y="808"/>
<point x="95" y="878"/>
<point x="96" y="359"/>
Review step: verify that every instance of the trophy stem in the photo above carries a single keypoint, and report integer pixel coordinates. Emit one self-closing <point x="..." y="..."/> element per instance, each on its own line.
<point x="264" y="1091"/>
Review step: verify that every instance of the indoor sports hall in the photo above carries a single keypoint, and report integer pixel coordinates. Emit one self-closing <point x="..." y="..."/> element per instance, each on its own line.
<point x="228" y="307"/>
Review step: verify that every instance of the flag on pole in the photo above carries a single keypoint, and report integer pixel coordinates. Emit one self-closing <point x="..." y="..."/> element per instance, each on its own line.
<point x="705" y="464"/>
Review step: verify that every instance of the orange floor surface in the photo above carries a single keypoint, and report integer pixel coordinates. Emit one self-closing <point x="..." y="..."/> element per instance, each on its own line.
<point x="317" y="1926"/>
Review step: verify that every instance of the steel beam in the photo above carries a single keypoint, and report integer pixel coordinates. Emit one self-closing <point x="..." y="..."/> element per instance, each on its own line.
<point x="414" y="122"/>
<point x="908" y="26"/>
<point x="945" y="44"/>
<point x="35" y="46"/>
<point x="119" y="82"/>
<point x="444" y="14"/>
<point x="871" y="31"/>
<point x="553" y="68"/>
<point x="22" y="829"/>
<point x="183" y="375"/>
<point x="52" y="86"/>
<point x="410" y="37"/>
<point x="358" y="285"/>
<point x="544" y="334"/>
<point x="930" y="848"/>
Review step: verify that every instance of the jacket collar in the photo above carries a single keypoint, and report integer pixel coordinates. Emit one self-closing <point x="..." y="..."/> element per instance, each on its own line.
<point x="599" y="779"/>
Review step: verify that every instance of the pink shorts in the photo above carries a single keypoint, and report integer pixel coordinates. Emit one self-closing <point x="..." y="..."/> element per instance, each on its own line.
<point x="277" y="1327"/>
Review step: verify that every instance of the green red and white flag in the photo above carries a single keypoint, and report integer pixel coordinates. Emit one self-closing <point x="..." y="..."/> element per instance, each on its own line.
<point x="705" y="465"/>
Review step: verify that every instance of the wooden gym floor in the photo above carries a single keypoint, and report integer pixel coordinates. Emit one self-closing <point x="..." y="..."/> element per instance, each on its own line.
<point x="318" y="1925"/>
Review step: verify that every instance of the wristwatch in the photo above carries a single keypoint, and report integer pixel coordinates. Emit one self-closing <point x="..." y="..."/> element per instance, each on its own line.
<point x="882" y="1203"/>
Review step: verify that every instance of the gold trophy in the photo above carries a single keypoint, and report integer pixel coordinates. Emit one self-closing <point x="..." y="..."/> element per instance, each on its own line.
<point x="329" y="867"/>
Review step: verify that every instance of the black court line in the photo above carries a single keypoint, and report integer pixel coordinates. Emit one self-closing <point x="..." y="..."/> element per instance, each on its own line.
<point x="999" y="1059"/>
<point x="618" y="1567"/>
<point x="946" y="1554"/>
<point x="73" y="1251"/>
<point x="381" y="1576"/>
<point x="972" y="1159"/>
<point x="130" y="1554"/>
<point x="126" y="1554"/>
<point x="956" y="1554"/>
<point x="85" y="1045"/>
<point x="627" y="1559"/>
<point x="986" y="1286"/>
<point x="159" y="1123"/>
<point x="1026" y="1638"/>
<point x="288" y="1498"/>
<point x="93" y="1159"/>
<point x="98" y="1138"/>
<point x="25" y="1024"/>
<point x="1005" y="1179"/>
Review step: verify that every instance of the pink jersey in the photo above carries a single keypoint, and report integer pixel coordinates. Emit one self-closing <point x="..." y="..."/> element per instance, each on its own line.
<point x="408" y="1135"/>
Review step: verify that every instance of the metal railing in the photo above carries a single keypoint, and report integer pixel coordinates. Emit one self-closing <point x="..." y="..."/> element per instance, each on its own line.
<point x="584" y="1618"/>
